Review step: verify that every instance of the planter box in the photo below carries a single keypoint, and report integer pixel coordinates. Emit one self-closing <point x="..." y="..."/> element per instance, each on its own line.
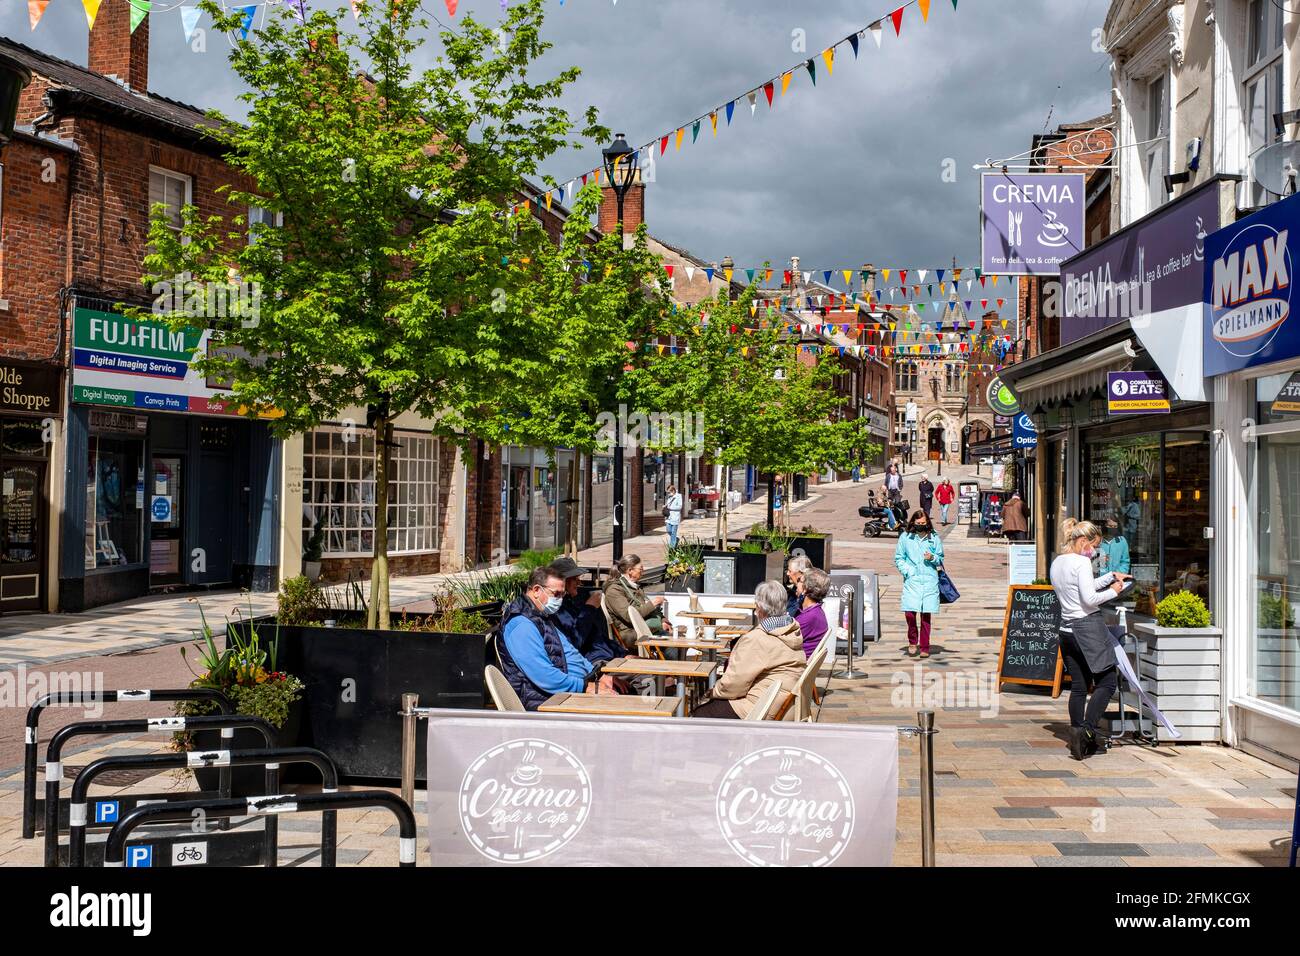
<point x="1180" y="667"/>
<point x="815" y="549"/>
<point x="354" y="681"/>
<point x="687" y="582"/>
<point x="750" y="570"/>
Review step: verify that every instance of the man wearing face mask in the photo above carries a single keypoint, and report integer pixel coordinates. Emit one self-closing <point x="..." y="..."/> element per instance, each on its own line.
<point x="536" y="658"/>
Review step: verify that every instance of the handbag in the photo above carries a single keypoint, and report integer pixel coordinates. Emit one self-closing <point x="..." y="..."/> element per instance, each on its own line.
<point x="667" y="511"/>
<point x="948" y="592"/>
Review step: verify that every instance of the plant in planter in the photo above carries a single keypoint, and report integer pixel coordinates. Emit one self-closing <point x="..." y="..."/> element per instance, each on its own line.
<point x="685" y="567"/>
<point x="300" y="602"/>
<point x="312" y="551"/>
<point x="246" y="671"/>
<point x="1182" y="609"/>
<point x="449" y="618"/>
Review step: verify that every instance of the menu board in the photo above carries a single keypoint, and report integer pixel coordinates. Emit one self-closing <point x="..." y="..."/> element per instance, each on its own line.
<point x="1030" y="652"/>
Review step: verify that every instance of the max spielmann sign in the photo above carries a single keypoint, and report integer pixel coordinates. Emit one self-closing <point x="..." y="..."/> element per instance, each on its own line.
<point x="29" y="388"/>
<point x="1248" y="287"/>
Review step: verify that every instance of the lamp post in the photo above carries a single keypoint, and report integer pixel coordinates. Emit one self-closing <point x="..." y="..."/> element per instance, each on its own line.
<point x="621" y="172"/>
<point x="13" y="77"/>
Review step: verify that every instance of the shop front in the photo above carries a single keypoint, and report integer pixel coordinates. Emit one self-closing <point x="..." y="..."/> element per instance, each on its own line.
<point x="31" y="404"/>
<point x="536" y="497"/>
<point x="165" y="486"/>
<point x="1252" y="354"/>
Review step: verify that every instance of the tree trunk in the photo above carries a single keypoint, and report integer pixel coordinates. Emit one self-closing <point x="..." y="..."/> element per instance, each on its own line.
<point x="377" y="614"/>
<point x="571" y="509"/>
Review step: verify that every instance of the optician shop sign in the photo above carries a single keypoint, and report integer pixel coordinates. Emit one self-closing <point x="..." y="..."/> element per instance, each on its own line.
<point x="1136" y="393"/>
<point x="1023" y="432"/>
<point x="1032" y="222"/>
<point x="145" y="364"/>
<point x="1248" y="285"/>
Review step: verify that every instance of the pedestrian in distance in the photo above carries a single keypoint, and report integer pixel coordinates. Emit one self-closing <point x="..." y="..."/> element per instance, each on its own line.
<point x="926" y="490"/>
<point x="945" y="494"/>
<point x="893" y="483"/>
<point x="919" y="557"/>
<point x="673" y="514"/>
<point x="1015" y="518"/>
<point x="1087" y="644"/>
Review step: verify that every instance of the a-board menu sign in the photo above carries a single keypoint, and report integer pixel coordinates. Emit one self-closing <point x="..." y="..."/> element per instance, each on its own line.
<point x="1030" y="652"/>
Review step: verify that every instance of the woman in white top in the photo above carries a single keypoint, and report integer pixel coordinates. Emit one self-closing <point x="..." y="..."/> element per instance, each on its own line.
<point x="673" y="514"/>
<point x="1086" y="642"/>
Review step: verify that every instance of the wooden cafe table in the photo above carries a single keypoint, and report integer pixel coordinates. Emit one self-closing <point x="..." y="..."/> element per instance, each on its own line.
<point x="711" y="617"/>
<point x="685" y="644"/>
<point x="613" y="705"/>
<point x="684" y="671"/>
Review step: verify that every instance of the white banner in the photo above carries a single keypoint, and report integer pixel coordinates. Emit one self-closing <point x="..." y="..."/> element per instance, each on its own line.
<point x="626" y="791"/>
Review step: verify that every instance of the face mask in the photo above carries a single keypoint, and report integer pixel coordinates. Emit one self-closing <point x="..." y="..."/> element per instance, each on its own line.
<point x="553" y="604"/>
<point x="1089" y="552"/>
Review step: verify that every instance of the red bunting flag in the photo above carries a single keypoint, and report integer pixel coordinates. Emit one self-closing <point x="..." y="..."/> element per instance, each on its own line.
<point x="769" y="89"/>
<point x="451" y="6"/>
<point x="897" y="17"/>
<point x="663" y="145"/>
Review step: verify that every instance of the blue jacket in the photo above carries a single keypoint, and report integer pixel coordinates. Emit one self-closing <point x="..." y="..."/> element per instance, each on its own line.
<point x="920" y="577"/>
<point x="586" y="630"/>
<point x="536" y="658"/>
<point x="1117" y="557"/>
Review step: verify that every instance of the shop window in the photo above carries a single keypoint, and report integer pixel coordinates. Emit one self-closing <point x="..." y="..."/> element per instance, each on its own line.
<point x="23" y="438"/>
<point x="114" y="502"/>
<point x="339" y="491"/>
<point x="1263" y="81"/>
<point x="602" y="499"/>
<point x="173" y="191"/>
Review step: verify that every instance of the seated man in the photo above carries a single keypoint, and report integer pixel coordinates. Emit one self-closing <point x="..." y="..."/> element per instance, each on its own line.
<point x="622" y="591"/>
<point x="536" y="658"/>
<point x="773" y="651"/>
<point x="581" y="621"/>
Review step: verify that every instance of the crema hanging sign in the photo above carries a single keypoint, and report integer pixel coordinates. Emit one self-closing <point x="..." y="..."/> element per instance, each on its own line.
<point x="29" y="388"/>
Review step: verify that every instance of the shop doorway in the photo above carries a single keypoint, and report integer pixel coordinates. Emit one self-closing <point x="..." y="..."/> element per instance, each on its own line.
<point x="934" y="443"/>
<point x="22" y="549"/>
<point x="520" y="509"/>
<point x="978" y="434"/>
<point x="166" y="520"/>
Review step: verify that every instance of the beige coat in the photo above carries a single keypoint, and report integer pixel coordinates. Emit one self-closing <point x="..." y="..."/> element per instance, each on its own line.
<point x="758" y="658"/>
<point x="620" y="594"/>
<point x="1014" y="516"/>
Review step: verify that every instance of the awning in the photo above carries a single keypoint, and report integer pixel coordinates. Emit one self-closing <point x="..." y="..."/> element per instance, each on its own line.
<point x="1071" y="373"/>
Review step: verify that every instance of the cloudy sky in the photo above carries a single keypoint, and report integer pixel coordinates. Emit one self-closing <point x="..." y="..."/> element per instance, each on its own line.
<point x="846" y="173"/>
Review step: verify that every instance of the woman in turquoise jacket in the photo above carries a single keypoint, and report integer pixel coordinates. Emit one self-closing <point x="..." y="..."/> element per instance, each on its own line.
<point x="918" y="559"/>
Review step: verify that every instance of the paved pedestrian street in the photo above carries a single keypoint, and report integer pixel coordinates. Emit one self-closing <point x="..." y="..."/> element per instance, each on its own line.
<point x="1007" y="792"/>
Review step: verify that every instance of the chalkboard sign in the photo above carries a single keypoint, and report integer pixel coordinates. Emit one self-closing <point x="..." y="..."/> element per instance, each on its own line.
<point x="1031" y="641"/>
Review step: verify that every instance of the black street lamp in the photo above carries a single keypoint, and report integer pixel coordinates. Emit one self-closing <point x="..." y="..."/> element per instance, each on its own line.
<point x="13" y="77"/>
<point x="621" y="172"/>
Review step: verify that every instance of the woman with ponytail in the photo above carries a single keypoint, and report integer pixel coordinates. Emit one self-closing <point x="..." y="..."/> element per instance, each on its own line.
<point x="1086" y="642"/>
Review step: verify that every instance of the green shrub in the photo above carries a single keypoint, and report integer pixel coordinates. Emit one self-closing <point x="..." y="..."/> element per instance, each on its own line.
<point x="1275" y="613"/>
<point x="531" y="560"/>
<point x="299" y="602"/>
<point x="752" y="547"/>
<point x="1182" y="609"/>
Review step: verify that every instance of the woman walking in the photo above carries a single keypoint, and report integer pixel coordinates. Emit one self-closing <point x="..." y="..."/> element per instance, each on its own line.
<point x="918" y="559"/>
<point x="945" y="494"/>
<point x="673" y="514"/>
<point x="1086" y="642"/>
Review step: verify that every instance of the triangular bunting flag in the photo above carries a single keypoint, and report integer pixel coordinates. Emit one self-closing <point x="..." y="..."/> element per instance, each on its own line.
<point x="924" y="6"/>
<point x="663" y="144"/>
<point x="897" y="17"/>
<point x="877" y="33"/>
<point x="695" y="129"/>
<point x="451" y="6"/>
<point x="785" y="82"/>
<point x="812" y="70"/>
<point x="680" y="133"/>
<point x="731" y="108"/>
<point x="829" y="56"/>
<point x="753" y="103"/>
<point x="690" y="273"/>
<point x="848" y="277"/>
<point x="853" y="42"/>
<point x="92" y="11"/>
<point x="36" y="10"/>
<point x="190" y="20"/>
<point x="769" y="89"/>
<point x="246" y="23"/>
<point x="713" y="118"/>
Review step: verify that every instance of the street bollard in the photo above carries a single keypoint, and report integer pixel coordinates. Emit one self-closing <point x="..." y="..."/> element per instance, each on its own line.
<point x="409" y="703"/>
<point x="925" y="721"/>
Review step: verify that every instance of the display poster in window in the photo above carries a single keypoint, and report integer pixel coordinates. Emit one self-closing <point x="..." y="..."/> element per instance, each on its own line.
<point x="1288" y="399"/>
<point x="142" y="364"/>
<point x="1022" y="564"/>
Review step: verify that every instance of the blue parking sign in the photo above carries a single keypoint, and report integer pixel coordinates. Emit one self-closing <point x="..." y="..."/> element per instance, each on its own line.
<point x="140" y="854"/>
<point x="105" y="811"/>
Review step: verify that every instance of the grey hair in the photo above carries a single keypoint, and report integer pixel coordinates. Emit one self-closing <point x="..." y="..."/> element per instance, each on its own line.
<point x="798" y="565"/>
<point x="817" y="584"/>
<point x="627" y="563"/>
<point x="769" y="599"/>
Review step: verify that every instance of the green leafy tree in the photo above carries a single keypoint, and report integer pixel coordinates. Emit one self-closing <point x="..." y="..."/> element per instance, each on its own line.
<point x="722" y="370"/>
<point x="392" y="273"/>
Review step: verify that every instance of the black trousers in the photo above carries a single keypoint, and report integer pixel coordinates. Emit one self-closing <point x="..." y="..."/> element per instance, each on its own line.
<point x="716" y="709"/>
<point x="1085" y="711"/>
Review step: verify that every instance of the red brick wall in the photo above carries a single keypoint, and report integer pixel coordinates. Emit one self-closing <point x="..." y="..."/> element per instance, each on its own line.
<point x="33" y="247"/>
<point x="633" y="209"/>
<point x="115" y="50"/>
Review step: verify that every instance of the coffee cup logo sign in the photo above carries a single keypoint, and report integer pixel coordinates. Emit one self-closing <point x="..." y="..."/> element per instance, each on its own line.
<point x="783" y="806"/>
<point x="523" y="800"/>
<point x="1251" y="290"/>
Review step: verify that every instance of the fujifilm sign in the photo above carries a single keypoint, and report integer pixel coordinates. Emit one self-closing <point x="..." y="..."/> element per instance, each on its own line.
<point x="1248" y="291"/>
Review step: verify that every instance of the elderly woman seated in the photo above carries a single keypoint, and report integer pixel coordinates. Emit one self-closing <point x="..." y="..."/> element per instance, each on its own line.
<point x="813" y="588"/>
<point x="795" y="569"/>
<point x="773" y="651"/>
<point x="623" y="591"/>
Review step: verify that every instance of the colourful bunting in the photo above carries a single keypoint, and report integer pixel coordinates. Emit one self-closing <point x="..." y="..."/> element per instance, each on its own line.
<point x="451" y="6"/>
<point x="36" y="10"/>
<point x="924" y="6"/>
<point x="139" y="10"/>
<point x="897" y="17"/>
<point x="247" y="23"/>
<point x="829" y="56"/>
<point x="92" y="11"/>
<point x="190" y="20"/>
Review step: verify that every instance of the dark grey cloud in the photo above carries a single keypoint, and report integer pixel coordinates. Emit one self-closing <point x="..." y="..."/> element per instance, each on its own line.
<point x="844" y="174"/>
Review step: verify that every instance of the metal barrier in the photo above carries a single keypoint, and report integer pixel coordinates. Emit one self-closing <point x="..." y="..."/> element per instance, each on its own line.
<point x="114" y="849"/>
<point x="1295" y="824"/>
<point x="272" y="759"/>
<point x="167" y="725"/>
<point x="924" y="729"/>
<point x="30" y="810"/>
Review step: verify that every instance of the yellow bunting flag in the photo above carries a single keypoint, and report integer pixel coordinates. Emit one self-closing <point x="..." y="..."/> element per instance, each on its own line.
<point x="728" y="273"/>
<point x="768" y="276"/>
<point x="885" y="273"/>
<point x="92" y="11"/>
<point x="925" y="9"/>
<point x="829" y="56"/>
<point x="848" y="277"/>
<point x="785" y="82"/>
<point x="548" y="202"/>
<point x="680" y="133"/>
<point x="713" y="118"/>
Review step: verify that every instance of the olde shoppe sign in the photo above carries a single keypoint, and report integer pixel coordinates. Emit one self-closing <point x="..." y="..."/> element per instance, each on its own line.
<point x="30" y="388"/>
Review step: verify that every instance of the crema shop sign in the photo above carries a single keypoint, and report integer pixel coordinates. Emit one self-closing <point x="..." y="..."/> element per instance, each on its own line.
<point x="1248" y="287"/>
<point x="29" y="388"/>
